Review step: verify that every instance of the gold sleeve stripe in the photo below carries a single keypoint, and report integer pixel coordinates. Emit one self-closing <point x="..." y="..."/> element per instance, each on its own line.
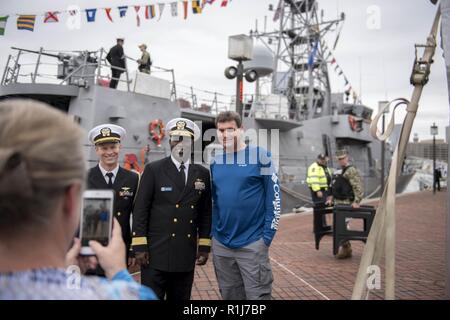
<point x="204" y="242"/>
<point x="138" y="241"/>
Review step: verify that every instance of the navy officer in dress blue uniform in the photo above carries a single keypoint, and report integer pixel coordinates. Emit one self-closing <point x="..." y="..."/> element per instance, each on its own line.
<point x="172" y="216"/>
<point x="109" y="175"/>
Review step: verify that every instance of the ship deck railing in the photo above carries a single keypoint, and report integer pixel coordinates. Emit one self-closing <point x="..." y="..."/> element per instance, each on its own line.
<point x="20" y="68"/>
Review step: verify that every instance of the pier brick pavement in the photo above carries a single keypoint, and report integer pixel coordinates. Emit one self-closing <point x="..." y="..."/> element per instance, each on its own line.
<point x="303" y="273"/>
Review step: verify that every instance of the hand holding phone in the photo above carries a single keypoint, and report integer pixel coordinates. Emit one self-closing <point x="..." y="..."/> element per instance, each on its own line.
<point x="96" y="218"/>
<point x="73" y="257"/>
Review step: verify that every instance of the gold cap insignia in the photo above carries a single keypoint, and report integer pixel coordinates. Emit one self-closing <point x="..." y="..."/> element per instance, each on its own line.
<point x="106" y="132"/>
<point x="181" y="125"/>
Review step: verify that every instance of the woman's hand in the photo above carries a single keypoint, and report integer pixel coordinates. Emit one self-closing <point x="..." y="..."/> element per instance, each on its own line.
<point x="83" y="262"/>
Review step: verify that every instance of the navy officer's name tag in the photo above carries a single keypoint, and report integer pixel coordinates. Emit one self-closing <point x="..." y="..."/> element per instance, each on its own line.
<point x="166" y="189"/>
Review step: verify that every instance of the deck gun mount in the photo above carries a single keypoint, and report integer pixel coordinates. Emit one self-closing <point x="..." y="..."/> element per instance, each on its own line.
<point x="77" y="68"/>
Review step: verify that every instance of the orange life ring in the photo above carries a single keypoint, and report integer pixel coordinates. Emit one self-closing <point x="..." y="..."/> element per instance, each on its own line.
<point x="352" y="122"/>
<point x="157" y="131"/>
<point x="355" y="124"/>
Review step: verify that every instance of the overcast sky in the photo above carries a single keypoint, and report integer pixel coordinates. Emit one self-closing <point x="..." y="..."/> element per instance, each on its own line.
<point x="377" y="61"/>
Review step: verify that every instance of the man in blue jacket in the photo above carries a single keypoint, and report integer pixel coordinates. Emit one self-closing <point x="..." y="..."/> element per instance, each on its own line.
<point x="246" y="211"/>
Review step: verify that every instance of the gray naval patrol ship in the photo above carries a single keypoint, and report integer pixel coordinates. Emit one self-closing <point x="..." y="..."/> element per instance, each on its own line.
<point x="308" y="118"/>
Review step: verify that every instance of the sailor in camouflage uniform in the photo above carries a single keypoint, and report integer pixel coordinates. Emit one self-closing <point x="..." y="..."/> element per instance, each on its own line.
<point x="347" y="189"/>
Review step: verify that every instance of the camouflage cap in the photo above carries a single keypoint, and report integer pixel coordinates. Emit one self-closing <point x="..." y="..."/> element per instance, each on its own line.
<point x="341" y="154"/>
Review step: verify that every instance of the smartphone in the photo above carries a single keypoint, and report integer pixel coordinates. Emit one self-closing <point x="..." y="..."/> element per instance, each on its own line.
<point x="96" y="218"/>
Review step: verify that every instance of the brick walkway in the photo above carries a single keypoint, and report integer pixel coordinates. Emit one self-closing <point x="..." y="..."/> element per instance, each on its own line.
<point x="303" y="273"/>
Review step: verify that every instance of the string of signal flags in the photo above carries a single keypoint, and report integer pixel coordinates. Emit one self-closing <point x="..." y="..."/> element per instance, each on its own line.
<point x="349" y="90"/>
<point x="27" y="22"/>
<point x="329" y="56"/>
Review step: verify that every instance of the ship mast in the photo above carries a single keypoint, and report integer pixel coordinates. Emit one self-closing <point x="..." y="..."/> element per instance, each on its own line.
<point x="300" y="63"/>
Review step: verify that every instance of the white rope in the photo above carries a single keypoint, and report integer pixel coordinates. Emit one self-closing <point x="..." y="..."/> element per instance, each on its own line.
<point x="381" y="239"/>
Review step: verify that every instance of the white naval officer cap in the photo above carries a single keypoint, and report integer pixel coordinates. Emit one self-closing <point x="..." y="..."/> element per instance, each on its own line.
<point x="183" y="127"/>
<point x="107" y="132"/>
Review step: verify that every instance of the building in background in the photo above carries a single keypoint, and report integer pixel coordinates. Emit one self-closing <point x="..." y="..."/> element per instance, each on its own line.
<point x="424" y="149"/>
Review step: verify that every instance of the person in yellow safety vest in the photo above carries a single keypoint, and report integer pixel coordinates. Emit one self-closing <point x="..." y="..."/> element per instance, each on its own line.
<point x="319" y="181"/>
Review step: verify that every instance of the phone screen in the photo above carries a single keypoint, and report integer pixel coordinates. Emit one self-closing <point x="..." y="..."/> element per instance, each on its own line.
<point x="96" y="221"/>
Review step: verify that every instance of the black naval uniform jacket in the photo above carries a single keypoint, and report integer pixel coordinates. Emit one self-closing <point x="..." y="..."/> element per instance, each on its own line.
<point x="116" y="57"/>
<point x="125" y="187"/>
<point x="171" y="223"/>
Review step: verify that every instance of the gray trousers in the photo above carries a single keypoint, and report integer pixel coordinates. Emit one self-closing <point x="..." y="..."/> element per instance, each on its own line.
<point x="244" y="273"/>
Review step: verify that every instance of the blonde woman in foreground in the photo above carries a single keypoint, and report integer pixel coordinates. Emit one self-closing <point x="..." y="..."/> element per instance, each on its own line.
<point x="42" y="171"/>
